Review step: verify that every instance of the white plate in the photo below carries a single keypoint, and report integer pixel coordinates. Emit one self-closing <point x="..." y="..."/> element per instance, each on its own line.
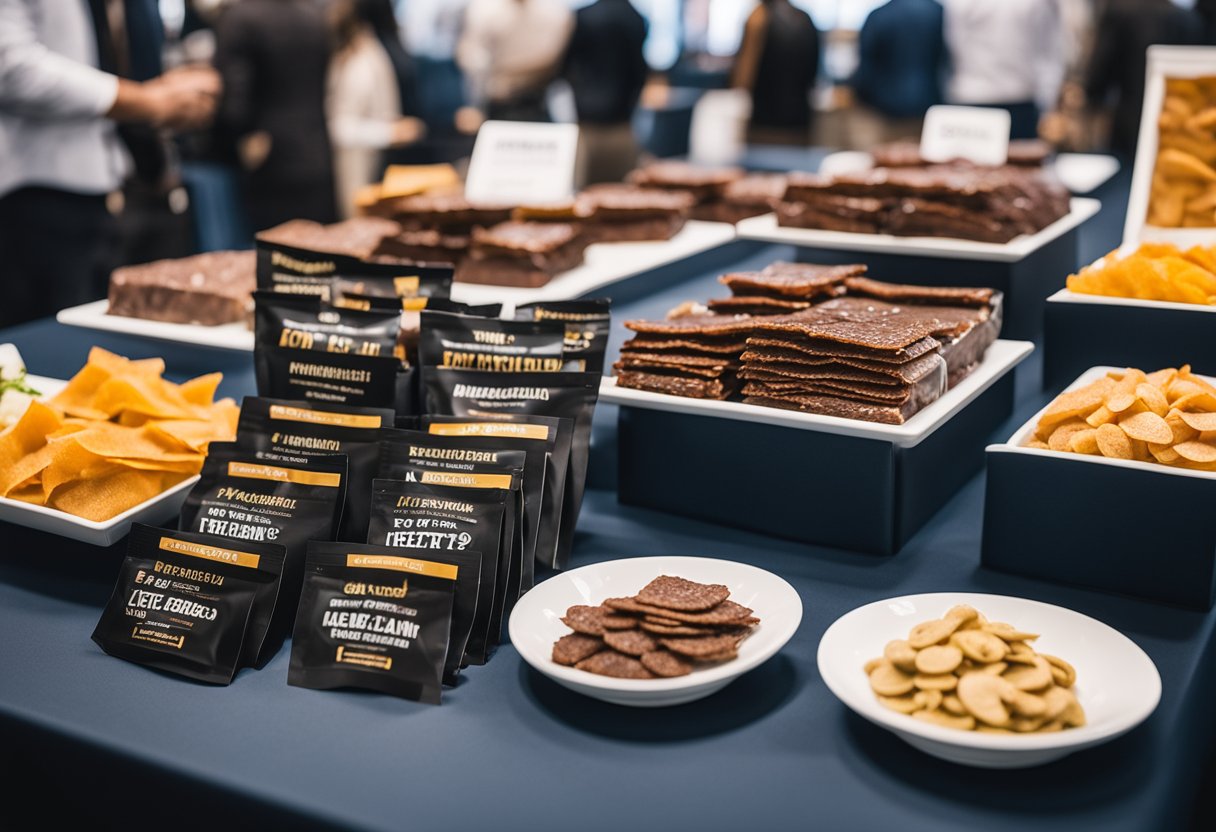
<point x="1069" y="296"/>
<point x="765" y="228"/>
<point x="99" y="533"/>
<point x="1023" y="434"/>
<point x="536" y="624"/>
<point x="1000" y="358"/>
<point x="1117" y="683"/>
<point x="93" y="315"/>
<point x="604" y="264"/>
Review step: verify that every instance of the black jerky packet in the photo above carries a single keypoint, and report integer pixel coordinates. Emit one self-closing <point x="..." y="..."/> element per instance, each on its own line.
<point x="307" y="350"/>
<point x="300" y="271"/>
<point x="533" y="434"/>
<point x="440" y="460"/>
<point x="194" y="605"/>
<point x="288" y="431"/>
<point x="371" y="618"/>
<point x="588" y="325"/>
<point x="446" y="525"/>
<point x="468" y="342"/>
<point x="242" y="498"/>
<point x="498" y="395"/>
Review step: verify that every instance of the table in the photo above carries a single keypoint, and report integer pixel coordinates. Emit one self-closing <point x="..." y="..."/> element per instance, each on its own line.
<point x="509" y="749"/>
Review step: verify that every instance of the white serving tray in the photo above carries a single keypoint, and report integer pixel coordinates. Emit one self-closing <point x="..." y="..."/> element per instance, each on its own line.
<point x="605" y="264"/>
<point x="1001" y="357"/>
<point x="1079" y="172"/>
<point x="1069" y="296"/>
<point x="104" y="533"/>
<point x="766" y="229"/>
<point x="1016" y="442"/>
<point x="94" y="316"/>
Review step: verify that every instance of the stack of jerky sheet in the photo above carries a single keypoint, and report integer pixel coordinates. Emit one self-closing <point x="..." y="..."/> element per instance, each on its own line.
<point x="820" y="339"/>
<point x="992" y="205"/>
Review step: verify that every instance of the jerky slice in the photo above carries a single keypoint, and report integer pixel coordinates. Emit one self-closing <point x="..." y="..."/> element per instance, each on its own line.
<point x="702" y="647"/>
<point x="907" y="293"/>
<point x="673" y="629"/>
<point x="585" y="619"/>
<point x="675" y="593"/>
<point x="666" y="664"/>
<point x="728" y="612"/>
<point x="571" y="649"/>
<point x="612" y="663"/>
<point x="631" y="642"/>
<point x="674" y="385"/>
<point x="612" y="621"/>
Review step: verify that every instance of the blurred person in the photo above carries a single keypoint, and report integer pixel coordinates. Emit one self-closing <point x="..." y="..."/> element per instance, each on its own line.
<point x="381" y="19"/>
<point x="1008" y="54"/>
<point x="777" y="63"/>
<point x="607" y="70"/>
<point x="1125" y="30"/>
<point x="509" y="51"/>
<point x="902" y="54"/>
<point x="363" y="102"/>
<point x="61" y="102"/>
<point x="273" y="57"/>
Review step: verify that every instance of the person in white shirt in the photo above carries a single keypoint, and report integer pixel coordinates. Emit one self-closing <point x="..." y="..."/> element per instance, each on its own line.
<point x="363" y="104"/>
<point x="59" y="152"/>
<point x="509" y="51"/>
<point x="1008" y="54"/>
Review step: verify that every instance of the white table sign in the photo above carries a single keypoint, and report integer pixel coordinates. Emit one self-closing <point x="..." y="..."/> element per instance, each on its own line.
<point x="978" y="134"/>
<point x="517" y="161"/>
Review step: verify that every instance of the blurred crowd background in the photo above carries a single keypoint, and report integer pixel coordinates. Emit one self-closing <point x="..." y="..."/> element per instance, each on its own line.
<point x="132" y="130"/>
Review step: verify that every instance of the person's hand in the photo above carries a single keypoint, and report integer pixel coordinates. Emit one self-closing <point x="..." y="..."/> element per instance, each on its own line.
<point x="182" y="99"/>
<point x="407" y="131"/>
<point x="468" y="120"/>
<point x="253" y="149"/>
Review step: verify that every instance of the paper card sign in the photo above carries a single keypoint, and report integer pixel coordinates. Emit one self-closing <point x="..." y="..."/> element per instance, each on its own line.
<point x="518" y="161"/>
<point x="977" y="134"/>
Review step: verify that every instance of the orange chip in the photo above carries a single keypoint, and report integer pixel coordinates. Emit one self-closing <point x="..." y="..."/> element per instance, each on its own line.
<point x="1058" y="441"/>
<point x="1199" y="421"/>
<point x="31" y="465"/>
<point x="1039" y="444"/>
<point x="1084" y="442"/>
<point x="102" y="497"/>
<point x="1147" y="427"/>
<point x="1101" y="416"/>
<point x="1114" y="443"/>
<point x="28" y="434"/>
<point x="1153" y="398"/>
<point x="110" y="440"/>
<point x="1163" y="378"/>
<point x="1203" y="400"/>
<point x="201" y="390"/>
<point x="194" y="434"/>
<point x="1196" y="451"/>
<point x="1164" y="454"/>
<point x="152" y="396"/>
<point x="1072" y="404"/>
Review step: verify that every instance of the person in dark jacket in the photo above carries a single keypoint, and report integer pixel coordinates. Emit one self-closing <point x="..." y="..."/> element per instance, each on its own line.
<point x="606" y="70"/>
<point x="777" y="63"/>
<point x="902" y="51"/>
<point x="273" y="56"/>
<point x="1124" y="31"/>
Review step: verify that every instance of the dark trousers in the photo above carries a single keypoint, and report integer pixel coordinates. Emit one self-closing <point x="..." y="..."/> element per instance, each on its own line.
<point x="53" y="252"/>
<point x="1023" y="118"/>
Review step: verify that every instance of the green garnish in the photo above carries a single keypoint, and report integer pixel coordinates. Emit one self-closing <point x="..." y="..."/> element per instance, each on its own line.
<point x="17" y="384"/>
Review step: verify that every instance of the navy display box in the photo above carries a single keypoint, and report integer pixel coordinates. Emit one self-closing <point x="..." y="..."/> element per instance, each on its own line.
<point x="1135" y="528"/>
<point x="1084" y="330"/>
<point x="1026" y="270"/>
<point x="818" y="479"/>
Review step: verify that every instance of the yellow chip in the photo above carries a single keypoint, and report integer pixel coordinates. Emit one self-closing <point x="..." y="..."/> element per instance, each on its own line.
<point x="1084" y="442"/>
<point x="1199" y="421"/>
<point x="1163" y="378"/>
<point x="28" y="434"/>
<point x="1114" y="443"/>
<point x="201" y="390"/>
<point x="1196" y="451"/>
<point x="1153" y="398"/>
<point x="1147" y="427"/>
<point x="1202" y="400"/>
<point x="1102" y="416"/>
<point x="102" y="497"/>
<point x="1058" y="441"/>
<point x="110" y="440"/>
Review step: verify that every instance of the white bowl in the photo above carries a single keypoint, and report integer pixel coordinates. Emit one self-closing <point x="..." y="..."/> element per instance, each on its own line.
<point x="536" y="624"/>
<point x="1117" y="684"/>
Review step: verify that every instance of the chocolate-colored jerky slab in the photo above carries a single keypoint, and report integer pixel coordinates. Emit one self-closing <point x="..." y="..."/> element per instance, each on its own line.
<point x="612" y="663"/>
<point x="706" y="346"/>
<point x="675" y="593"/>
<point x="613" y="621"/>
<point x="755" y="305"/>
<point x="631" y="642"/>
<point x="835" y="406"/>
<point x="571" y="649"/>
<point x="674" y="385"/>
<point x="791" y="280"/>
<point x="728" y="612"/>
<point x="585" y="619"/>
<point x="835" y="349"/>
<point x="673" y="629"/>
<point x="907" y="373"/>
<point x="882" y="334"/>
<point x="666" y="664"/>
<point x="908" y="293"/>
<point x="702" y="646"/>
<point x="716" y="363"/>
<point x="658" y="619"/>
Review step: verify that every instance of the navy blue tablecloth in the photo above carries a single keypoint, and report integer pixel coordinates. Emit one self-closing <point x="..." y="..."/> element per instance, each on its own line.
<point x="509" y="750"/>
